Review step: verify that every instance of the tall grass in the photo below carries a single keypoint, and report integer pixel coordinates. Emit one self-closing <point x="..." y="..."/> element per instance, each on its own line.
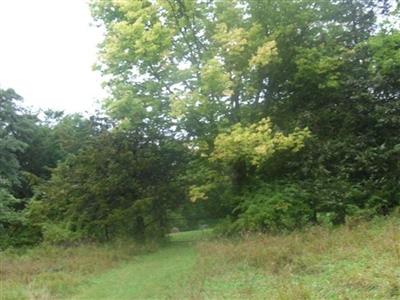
<point x="51" y="272"/>
<point x="358" y="261"/>
<point x="350" y="262"/>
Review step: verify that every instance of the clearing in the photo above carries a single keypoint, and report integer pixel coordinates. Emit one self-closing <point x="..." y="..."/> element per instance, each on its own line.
<point x="359" y="261"/>
<point x="152" y="276"/>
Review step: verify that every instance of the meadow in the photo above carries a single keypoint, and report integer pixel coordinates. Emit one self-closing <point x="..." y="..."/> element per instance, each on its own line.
<point x="353" y="261"/>
<point x="54" y="272"/>
<point x="350" y="262"/>
<point x="276" y="121"/>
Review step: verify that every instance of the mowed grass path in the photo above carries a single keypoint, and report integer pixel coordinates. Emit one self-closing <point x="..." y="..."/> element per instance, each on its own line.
<point x="355" y="261"/>
<point x="360" y="261"/>
<point x="153" y="276"/>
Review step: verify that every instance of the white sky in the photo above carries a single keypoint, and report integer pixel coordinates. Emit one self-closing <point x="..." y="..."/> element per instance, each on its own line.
<point x="47" y="50"/>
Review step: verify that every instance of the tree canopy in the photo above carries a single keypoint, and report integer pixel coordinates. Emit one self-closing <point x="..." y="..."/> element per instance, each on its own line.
<point x="269" y="114"/>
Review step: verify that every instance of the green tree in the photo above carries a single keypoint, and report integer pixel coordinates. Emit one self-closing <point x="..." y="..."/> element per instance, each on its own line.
<point x="199" y="67"/>
<point x="15" y="127"/>
<point x="12" y="131"/>
<point x="122" y="184"/>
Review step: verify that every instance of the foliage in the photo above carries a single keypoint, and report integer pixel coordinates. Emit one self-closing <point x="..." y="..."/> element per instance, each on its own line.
<point x="12" y="130"/>
<point x="239" y="157"/>
<point x="281" y="207"/>
<point x="256" y="143"/>
<point x="115" y="187"/>
<point x="15" y="127"/>
<point x="318" y="65"/>
<point x="59" y="234"/>
<point x="234" y="105"/>
<point x="10" y="219"/>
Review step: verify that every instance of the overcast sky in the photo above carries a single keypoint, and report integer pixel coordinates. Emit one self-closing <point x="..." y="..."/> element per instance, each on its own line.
<point x="47" y="50"/>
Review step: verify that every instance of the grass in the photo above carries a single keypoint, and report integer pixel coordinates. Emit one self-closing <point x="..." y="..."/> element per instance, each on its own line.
<point x="349" y="262"/>
<point x="154" y="276"/>
<point x="361" y="262"/>
<point x="50" y="272"/>
<point x="191" y="236"/>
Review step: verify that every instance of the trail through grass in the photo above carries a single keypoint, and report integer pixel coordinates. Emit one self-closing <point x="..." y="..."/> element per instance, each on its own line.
<point x="147" y="277"/>
<point x="153" y="276"/>
<point x="361" y="262"/>
<point x="54" y="272"/>
<point x="348" y="262"/>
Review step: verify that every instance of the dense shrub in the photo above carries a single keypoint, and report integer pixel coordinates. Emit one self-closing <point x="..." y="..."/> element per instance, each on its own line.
<point x="59" y="234"/>
<point x="271" y="208"/>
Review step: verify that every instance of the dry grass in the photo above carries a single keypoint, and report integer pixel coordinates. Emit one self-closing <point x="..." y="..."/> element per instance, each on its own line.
<point x="49" y="272"/>
<point x="350" y="262"/>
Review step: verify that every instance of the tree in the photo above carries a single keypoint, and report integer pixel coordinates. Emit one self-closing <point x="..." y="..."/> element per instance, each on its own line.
<point x="12" y="129"/>
<point x="121" y="185"/>
<point x="15" y="126"/>
<point x="306" y="64"/>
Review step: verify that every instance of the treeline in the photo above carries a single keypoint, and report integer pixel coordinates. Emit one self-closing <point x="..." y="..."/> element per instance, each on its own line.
<point x="30" y="146"/>
<point x="271" y="115"/>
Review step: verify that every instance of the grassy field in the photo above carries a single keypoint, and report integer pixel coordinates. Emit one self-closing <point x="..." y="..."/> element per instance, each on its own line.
<point x="360" y="262"/>
<point x="349" y="262"/>
<point x="154" y="276"/>
<point x="49" y="272"/>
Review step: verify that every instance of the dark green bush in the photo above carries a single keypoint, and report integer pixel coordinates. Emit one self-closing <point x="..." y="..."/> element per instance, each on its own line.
<point x="272" y="208"/>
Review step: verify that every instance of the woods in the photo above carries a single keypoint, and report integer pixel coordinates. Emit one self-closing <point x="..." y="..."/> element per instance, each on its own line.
<point x="266" y="115"/>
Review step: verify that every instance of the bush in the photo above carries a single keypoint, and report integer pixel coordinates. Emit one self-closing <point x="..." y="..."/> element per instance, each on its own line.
<point x="15" y="228"/>
<point x="59" y="234"/>
<point x="271" y="208"/>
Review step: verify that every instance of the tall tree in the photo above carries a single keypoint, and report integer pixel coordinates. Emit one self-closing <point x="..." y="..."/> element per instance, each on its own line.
<point x="121" y="184"/>
<point x="13" y="129"/>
